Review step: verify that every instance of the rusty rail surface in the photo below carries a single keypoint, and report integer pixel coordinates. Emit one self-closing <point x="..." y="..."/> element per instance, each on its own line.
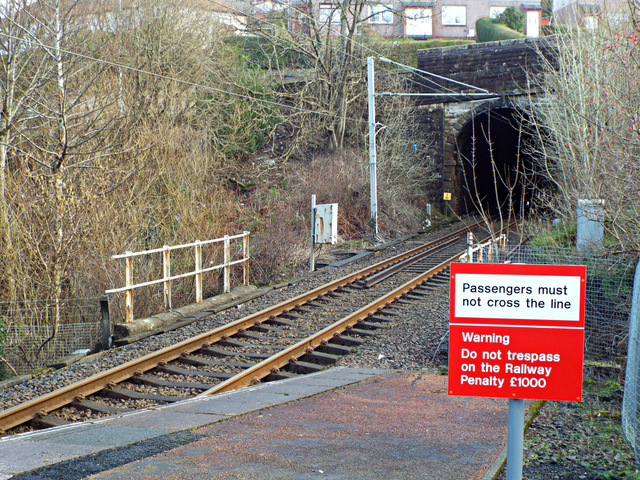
<point x="42" y="405"/>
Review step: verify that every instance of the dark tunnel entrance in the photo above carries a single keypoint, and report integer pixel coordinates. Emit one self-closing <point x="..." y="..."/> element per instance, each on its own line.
<point x="497" y="172"/>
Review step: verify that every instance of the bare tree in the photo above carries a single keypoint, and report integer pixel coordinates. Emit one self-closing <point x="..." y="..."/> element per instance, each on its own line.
<point x="587" y="125"/>
<point x="21" y="74"/>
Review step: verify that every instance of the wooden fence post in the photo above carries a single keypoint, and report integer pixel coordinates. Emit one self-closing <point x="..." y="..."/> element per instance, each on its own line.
<point x="227" y="261"/>
<point x="129" y="284"/>
<point x="245" y="253"/>
<point x="166" y="267"/>
<point x="198" y="270"/>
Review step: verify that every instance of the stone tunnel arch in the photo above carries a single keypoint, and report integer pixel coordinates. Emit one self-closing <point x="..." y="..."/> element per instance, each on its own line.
<point x="485" y="156"/>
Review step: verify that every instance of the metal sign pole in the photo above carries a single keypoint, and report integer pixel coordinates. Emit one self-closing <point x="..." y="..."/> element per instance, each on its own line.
<point x="373" y="179"/>
<point x="515" y="439"/>
<point x="312" y="263"/>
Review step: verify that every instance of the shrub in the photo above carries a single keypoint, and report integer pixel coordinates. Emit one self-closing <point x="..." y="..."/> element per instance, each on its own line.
<point x="488" y="31"/>
<point x="512" y="18"/>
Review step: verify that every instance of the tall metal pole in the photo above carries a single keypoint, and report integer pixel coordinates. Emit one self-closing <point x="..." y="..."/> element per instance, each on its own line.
<point x="373" y="181"/>
<point x="515" y="439"/>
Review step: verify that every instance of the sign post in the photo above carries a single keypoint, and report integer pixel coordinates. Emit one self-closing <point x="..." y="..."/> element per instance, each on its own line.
<point x="517" y="332"/>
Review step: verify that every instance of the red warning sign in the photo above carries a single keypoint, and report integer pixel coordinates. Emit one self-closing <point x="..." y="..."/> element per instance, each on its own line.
<point x="517" y="331"/>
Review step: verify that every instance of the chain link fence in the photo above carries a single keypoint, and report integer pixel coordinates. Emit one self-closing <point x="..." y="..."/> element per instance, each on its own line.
<point x="612" y="321"/>
<point x="32" y="339"/>
<point x="631" y="399"/>
<point x="609" y="293"/>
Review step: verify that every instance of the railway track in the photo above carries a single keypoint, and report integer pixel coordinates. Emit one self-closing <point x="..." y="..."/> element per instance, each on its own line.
<point x="301" y="335"/>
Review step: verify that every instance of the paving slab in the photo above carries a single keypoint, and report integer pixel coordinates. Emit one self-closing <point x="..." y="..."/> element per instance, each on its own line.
<point x="398" y="425"/>
<point x="78" y="442"/>
<point x="19" y="454"/>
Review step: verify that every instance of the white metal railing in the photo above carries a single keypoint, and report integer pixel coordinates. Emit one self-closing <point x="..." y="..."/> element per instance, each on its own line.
<point x="197" y="272"/>
<point x="491" y="246"/>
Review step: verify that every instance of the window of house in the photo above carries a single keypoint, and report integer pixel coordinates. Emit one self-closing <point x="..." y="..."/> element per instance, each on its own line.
<point x="494" y="12"/>
<point x="454" y="15"/>
<point x="381" y="14"/>
<point x="591" y="22"/>
<point x="328" y="12"/>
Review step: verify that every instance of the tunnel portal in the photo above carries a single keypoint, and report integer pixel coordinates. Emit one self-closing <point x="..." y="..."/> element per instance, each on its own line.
<point x="495" y="169"/>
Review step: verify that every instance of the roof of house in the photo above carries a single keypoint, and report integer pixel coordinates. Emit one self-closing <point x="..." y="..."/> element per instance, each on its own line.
<point x="418" y="3"/>
<point x="531" y="6"/>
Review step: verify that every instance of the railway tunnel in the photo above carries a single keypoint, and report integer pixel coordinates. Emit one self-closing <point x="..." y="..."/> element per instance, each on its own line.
<point x="495" y="170"/>
<point x="479" y="143"/>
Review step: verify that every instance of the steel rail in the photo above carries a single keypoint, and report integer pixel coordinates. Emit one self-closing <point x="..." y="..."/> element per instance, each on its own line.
<point x="290" y="355"/>
<point x="254" y="374"/>
<point x="388" y="272"/>
<point x="44" y="404"/>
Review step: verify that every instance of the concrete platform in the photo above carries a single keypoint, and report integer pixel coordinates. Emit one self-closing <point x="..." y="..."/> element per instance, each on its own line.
<point x="341" y="423"/>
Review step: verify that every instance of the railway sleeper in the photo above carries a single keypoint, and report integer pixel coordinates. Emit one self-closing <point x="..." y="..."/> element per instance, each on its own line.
<point x="377" y="318"/>
<point x="221" y="352"/>
<point x="160" y="382"/>
<point x="320" y="358"/>
<point x="422" y="289"/>
<point x="395" y="305"/>
<point x="301" y="309"/>
<point x="173" y="370"/>
<point x="432" y="287"/>
<point x="281" y="375"/>
<point x="415" y="298"/>
<point x="279" y="321"/>
<point x="440" y="279"/>
<point x="351" y="288"/>
<point x="402" y="301"/>
<point x="264" y="328"/>
<point x="98" y="407"/>
<point x="48" y="421"/>
<point x="301" y="367"/>
<point x="189" y="360"/>
<point x="419" y="295"/>
<point x="258" y="337"/>
<point x="415" y="269"/>
<point x="334" y="349"/>
<point x="337" y="295"/>
<point x="238" y="344"/>
<point x="319" y="302"/>
<point x="370" y="326"/>
<point x="197" y="362"/>
<point x="126" y="394"/>
<point x="361" y="332"/>
<point x="293" y="316"/>
<point x="347" y="341"/>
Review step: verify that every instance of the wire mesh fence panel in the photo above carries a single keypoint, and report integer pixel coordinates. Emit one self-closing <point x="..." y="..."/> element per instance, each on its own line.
<point x="609" y="291"/>
<point x="631" y="399"/>
<point x="39" y="333"/>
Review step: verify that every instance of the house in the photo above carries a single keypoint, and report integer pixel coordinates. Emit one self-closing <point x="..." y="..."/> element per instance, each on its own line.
<point x="457" y="19"/>
<point x="589" y="14"/>
<point x="422" y="19"/>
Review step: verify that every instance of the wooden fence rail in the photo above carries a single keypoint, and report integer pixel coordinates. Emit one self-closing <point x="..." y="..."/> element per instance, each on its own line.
<point x="198" y="271"/>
